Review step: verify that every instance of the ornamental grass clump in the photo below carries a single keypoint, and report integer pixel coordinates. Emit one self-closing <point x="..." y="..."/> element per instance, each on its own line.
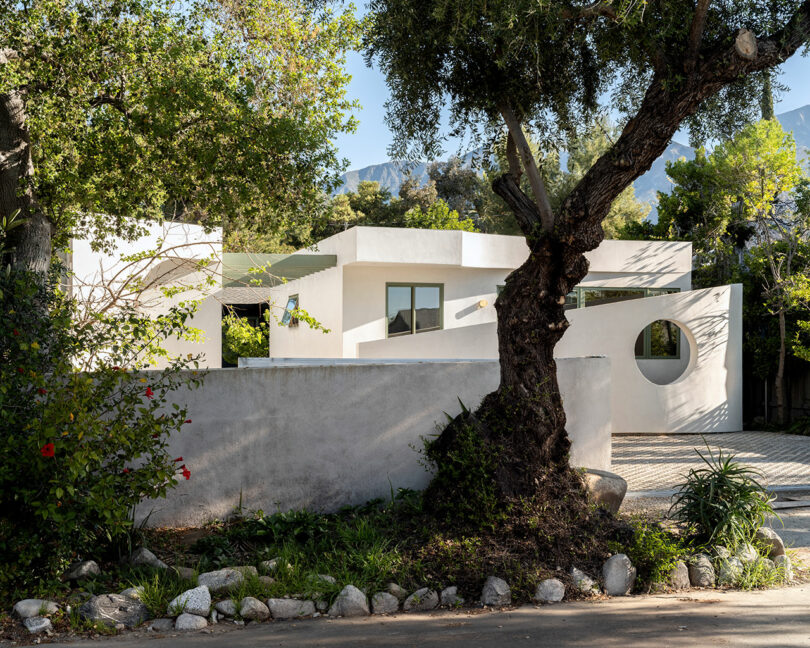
<point x="722" y="502"/>
<point x="78" y="449"/>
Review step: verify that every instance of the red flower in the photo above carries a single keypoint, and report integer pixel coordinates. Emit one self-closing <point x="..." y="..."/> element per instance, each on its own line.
<point x="178" y="460"/>
<point x="48" y="450"/>
<point x="16" y="332"/>
<point x="186" y="472"/>
<point x="149" y="393"/>
<point x="187" y="421"/>
<point x="42" y="391"/>
<point x="125" y="471"/>
<point x="116" y="368"/>
<point x="20" y="370"/>
<point x="155" y="436"/>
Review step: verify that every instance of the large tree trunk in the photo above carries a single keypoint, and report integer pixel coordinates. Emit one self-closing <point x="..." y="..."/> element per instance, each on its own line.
<point x="779" y="382"/>
<point x="29" y="245"/>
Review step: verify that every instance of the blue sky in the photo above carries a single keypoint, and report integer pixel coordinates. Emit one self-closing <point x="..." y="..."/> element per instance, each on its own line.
<point x="368" y="145"/>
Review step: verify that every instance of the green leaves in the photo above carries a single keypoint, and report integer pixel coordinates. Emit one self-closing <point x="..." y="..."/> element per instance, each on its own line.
<point x="206" y="110"/>
<point x="722" y="502"/>
<point x="78" y="451"/>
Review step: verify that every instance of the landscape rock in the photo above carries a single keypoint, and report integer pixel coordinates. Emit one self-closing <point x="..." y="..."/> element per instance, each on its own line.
<point x="186" y="573"/>
<point x="679" y="576"/>
<point x="322" y="606"/>
<point x="28" y="608"/>
<point x="729" y="571"/>
<point x="496" y="592"/>
<point x="701" y="572"/>
<point x="267" y="580"/>
<point x="187" y="622"/>
<point x="226" y="607"/>
<point x="550" y="590"/>
<point x="583" y="582"/>
<point x="771" y="540"/>
<point x="721" y="552"/>
<point x="747" y="554"/>
<point x="213" y="618"/>
<point x="221" y="580"/>
<point x="605" y="489"/>
<point x="396" y="590"/>
<point x="252" y="609"/>
<point x="114" y="608"/>
<point x="421" y="600"/>
<point x="619" y="575"/>
<point x="274" y="564"/>
<point x="450" y="597"/>
<point x="82" y="570"/>
<point x="162" y="625"/>
<point x="384" y="603"/>
<point x="38" y="625"/>
<point x="350" y="602"/>
<point x="783" y="563"/>
<point x="133" y="592"/>
<point x="194" y="601"/>
<point x="142" y="557"/>
<point x="290" y="608"/>
<point x="326" y="578"/>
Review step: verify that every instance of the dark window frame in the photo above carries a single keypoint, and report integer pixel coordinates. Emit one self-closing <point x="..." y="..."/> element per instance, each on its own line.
<point x="413" y="286"/>
<point x="287" y="318"/>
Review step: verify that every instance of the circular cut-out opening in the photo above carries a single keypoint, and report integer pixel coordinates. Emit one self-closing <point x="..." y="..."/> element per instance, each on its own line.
<point x="662" y="352"/>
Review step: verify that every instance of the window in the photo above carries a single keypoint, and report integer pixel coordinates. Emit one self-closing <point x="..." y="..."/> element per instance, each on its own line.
<point x="413" y="308"/>
<point x="661" y="339"/>
<point x="287" y="319"/>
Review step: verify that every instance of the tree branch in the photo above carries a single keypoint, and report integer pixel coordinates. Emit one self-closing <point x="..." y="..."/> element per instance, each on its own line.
<point x="530" y="166"/>
<point x="512" y="158"/>
<point x="646" y="136"/>
<point x="523" y="207"/>
<point x="696" y="34"/>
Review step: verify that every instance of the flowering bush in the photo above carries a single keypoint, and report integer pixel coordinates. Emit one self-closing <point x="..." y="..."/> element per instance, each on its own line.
<point x="78" y="449"/>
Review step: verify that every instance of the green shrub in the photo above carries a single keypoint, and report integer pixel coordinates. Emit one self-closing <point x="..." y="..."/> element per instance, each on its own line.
<point x="463" y="486"/>
<point x="722" y="502"/>
<point x="653" y="550"/>
<point x="78" y="450"/>
<point x="240" y="339"/>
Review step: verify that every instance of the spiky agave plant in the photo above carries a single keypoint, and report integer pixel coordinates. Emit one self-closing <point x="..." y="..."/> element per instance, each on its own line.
<point x="722" y="502"/>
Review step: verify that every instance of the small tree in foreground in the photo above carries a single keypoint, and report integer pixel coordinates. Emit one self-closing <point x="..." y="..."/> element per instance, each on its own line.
<point x="541" y="67"/>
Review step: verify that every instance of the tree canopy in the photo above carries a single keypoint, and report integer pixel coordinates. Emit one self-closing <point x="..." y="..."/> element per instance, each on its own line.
<point x="113" y="111"/>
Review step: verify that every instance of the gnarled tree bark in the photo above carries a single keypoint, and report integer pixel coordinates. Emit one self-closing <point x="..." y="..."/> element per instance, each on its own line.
<point x="29" y="245"/>
<point x="525" y="415"/>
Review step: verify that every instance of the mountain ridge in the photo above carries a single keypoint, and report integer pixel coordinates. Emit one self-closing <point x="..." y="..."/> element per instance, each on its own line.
<point x="392" y="173"/>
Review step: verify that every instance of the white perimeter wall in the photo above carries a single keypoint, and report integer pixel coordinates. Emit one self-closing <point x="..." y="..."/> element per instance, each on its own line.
<point x="321" y="437"/>
<point x="707" y="397"/>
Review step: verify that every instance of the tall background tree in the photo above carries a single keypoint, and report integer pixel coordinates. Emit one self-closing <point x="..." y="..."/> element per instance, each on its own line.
<point x="525" y="67"/>
<point x="213" y="111"/>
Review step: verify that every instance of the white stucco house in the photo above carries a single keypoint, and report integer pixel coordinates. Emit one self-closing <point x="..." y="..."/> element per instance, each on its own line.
<point x="674" y="354"/>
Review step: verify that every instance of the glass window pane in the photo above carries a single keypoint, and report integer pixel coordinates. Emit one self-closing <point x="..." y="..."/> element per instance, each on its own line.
<point x="664" y="338"/>
<point x="571" y="300"/>
<point x="292" y="304"/>
<point x="399" y="310"/>
<point x="428" y="308"/>
<point x="598" y="296"/>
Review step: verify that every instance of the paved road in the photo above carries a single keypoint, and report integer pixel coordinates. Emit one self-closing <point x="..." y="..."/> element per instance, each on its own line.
<point x="767" y="619"/>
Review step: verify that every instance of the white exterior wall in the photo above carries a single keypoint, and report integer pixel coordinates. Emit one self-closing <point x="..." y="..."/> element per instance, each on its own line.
<point x="322" y="437"/>
<point x="707" y="395"/>
<point x="364" y="293"/>
<point x="95" y="274"/>
<point x="469" y="265"/>
<point x="320" y="295"/>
